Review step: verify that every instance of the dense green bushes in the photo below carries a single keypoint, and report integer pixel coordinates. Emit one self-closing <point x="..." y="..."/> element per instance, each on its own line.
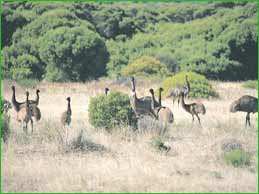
<point x="57" y="46"/>
<point x="111" y="111"/>
<point x="145" y="66"/>
<point x="88" y="40"/>
<point x="200" y="86"/>
<point x="221" y="46"/>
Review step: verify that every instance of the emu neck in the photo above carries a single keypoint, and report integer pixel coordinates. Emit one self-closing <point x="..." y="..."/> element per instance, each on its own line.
<point x="69" y="108"/>
<point x="15" y="103"/>
<point x="27" y="102"/>
<point x="37" y="98"/>
<point x="133" y="86"/>
<point x="159" y="100"/>
<point x="187" y="84"/>
<point x="152" y="100"/>
<point x="183" y="103"/>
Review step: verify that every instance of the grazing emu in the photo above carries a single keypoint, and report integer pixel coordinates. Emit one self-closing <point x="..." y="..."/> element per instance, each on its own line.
<point x="141" y="106"/>
<point x="106" y="91"/>
<point x="245" y="104"/>
<point x="163" y="113"/>
<point x="24" y="115"/>
<point x="179" y="89"/>
<point x="193" y="108"/>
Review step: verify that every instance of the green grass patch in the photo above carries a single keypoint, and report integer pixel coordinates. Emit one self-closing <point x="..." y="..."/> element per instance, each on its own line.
<point x="28" y="83"/>
<point x="251" y="84"/>
<point x="237" y="158"/>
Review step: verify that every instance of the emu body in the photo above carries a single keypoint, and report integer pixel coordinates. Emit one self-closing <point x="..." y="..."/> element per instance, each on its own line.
<point x="179" y="89"/>
<point x="163" y="113"/>
<point x="246" y="103"/>
<point x="24" y="115"/>
<point x="141" y="106"/>
<point x="193" y="108"/>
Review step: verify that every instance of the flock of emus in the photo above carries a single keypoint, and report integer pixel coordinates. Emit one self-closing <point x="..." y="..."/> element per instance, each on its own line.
<point x="141" y="106"/>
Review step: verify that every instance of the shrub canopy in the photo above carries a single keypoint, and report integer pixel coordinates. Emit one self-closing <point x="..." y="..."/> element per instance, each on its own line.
<point x="200" y="86"/>
<point x="111" y="111"/>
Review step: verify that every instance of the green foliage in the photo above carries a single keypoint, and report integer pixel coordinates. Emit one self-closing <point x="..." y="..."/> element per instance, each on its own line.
<point x="222" y="45"/>
<point x="72" y="54"/>
<point x="158" y="144"/>
<point x="237" y="158"/>
<point x="200" y="86"/>
<point x="218" y="40"/>
<point x="145" y="66"/>
<point x="111" y="111"/>
<point x="251" y="84"/>
<point x="5" y="130"/>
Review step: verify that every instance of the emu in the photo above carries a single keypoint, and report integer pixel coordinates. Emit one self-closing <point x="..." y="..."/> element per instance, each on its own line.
<point x="179" y="89"/>
<point x="36" y="113"/>
<point x="24" y="115"/>
<point x="66" y="116"/>
<point x="163" y="113"/>
<point x="246" y="103"/>
<point x="141" y="106"/>
<point x="193" y="108"/>
<point x="106" y="91"/>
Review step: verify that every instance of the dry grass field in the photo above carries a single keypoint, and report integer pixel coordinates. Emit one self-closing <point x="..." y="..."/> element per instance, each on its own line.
<point x="33" y="163"/>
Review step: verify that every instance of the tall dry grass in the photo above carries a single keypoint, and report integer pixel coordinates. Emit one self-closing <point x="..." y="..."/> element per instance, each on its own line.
<point x="124" y="161"/>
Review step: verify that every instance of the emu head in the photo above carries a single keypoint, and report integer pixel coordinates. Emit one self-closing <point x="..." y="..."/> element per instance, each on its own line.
<point x="151" y="91"/>
<point x="106" y="91"/>
<point x="13" y="88"/>
<point x="37" y="91"/>
<point x="68" y="99"/>
<point x="234" y="107"/>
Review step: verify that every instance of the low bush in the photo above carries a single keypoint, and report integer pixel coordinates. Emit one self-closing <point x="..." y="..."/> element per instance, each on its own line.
<point x="200" y="86"/>
<point x="251" y="84"/>
<point x="5" y="131"/>
<point x="158" y="144"/>
<point x="237" y="158"/>
<point x="145" y="66"/>
<point x="111" y="111"/>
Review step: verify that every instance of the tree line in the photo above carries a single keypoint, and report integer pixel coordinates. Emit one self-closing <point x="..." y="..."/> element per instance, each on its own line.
<point x="85" y="40"/>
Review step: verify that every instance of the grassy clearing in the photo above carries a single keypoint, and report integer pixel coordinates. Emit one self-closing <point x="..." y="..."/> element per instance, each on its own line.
<point x="251" y="84"/>
<point x="122" y="160"/>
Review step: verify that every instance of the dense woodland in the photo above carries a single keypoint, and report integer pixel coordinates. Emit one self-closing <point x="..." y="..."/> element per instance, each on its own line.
<point x="83" y="41"/>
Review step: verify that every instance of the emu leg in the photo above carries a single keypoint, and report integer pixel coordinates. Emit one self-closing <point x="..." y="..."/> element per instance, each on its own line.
<point x="192" y="118"/>
<point x="248" y="119"/>
<point x="66" y="133"/>
<point x="198" y="118"/>
<point x="31" y="126"/>
<point x="178" y="100"/>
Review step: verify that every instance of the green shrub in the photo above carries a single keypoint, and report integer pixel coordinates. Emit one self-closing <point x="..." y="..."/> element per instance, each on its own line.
<point x="237" y="157"/>
<point x="200" y="86"/>
<point x="145" y="66"/>
<point x="5" y="131"/>
<point x="251" y="84"/>
<point x="111" y="111"/>
<point x="158" y="144"/>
